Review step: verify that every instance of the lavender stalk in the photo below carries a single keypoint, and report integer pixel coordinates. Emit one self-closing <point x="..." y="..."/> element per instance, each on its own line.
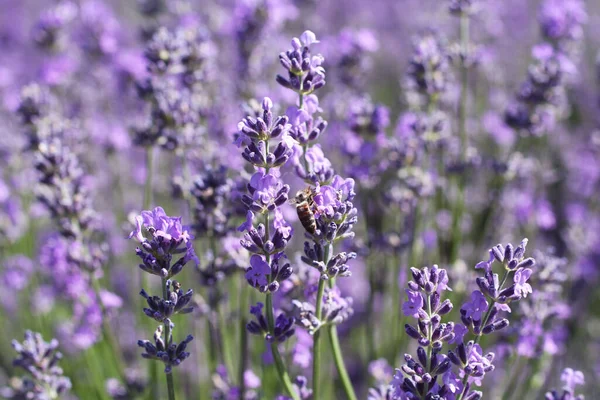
<point x="325" y="211"/>
<point x="464" y="10"/>
<point x="40" y="360"/>
<point x="266" y="193"/>
<point x="168" y="238"/>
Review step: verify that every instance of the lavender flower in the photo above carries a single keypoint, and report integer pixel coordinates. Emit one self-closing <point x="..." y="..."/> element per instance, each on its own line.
<point x="255" y="134"/>
<point x="570" y="379"/>
<point x="561" y="21"/>
<point x="424" y="303"/>
<point x="544" y="314"/>
<point x="305" y="71"/>
<point x="171" y="354"/>
<point x="326" y="211"/>
<point x="50" y="31"/>
<point x="428" y="73"/>
<point x="367" y="142"/>
<point x="226" y="390"/>
<point x="40" y="360"/>
<point x="351" y="61"/>
<point x="266" y="194"/>
<point x="482" y="317"/>
<point x="283" y="328"/>
<point x="336" y="308"/>
<point x="213" y="208"/>
<point x="161" y="309"/>
<point x="167" y="238"/>
<point x="177" y="62"/>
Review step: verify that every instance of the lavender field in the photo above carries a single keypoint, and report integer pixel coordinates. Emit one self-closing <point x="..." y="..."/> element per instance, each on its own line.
<point x="300" y="199"/>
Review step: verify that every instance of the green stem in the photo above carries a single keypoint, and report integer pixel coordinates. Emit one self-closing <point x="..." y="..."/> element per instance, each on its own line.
<point x="187" y="180"/>
<point x="416" y="245"/>
<point x="458" y="210"/>
<point x="484" y="322"/>
<point x="439" y="206"/>
<point x="149" y="172"/>
<point x="335" y="343"/>
<point x="168" y="340"/>
<point x="305" y="145"/>
<point x="369" y="333"/>
<point x="339" y="363"/>
<point x="108" y="334"/>
<point x="279" y="365"/>
<point x="243" y="337"/>
<point x="170" y="386"/>
<point x="396" y="308"/>
<point x="212" y="344"/>
<point x="224" y="336"/>
<point x="153" y="393"/>
<point x="464" y="77"/>
<point x="317" y="352"/>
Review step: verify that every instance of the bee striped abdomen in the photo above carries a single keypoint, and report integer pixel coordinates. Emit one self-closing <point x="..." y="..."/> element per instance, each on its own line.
<point x="306" y="217"/>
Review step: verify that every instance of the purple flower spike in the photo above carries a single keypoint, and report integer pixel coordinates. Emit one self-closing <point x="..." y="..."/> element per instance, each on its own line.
<point x="39" y="359"/>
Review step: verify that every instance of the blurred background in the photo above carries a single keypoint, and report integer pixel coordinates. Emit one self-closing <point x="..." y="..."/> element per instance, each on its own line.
<point x="93" y="74"/>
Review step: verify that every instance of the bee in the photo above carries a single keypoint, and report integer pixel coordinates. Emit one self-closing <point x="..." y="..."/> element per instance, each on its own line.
<point x="305" y="206"/>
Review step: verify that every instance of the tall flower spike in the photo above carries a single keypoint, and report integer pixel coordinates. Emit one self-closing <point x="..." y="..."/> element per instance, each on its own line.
<point x="166" y="238"/>
<point x="481" y="315"/>
<point x="178" y="66"/>
<point x="267" y="193"/>
<point x="424" y="303"/>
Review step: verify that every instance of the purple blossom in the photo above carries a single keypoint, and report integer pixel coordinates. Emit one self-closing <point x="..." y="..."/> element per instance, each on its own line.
<point x="571" y="378"/>
<point x="476" y="306"/>
<point x="160" y="226"/>
<point x="477" y="363"/>
<point x="305" y="71"/>
<point x="522" y="288"/>
<point x="258" y="272"/>
<point x="411" y="307"/>
<point x="248" y="224"/>
<point x="486" y="265"/>
<point x="562" y="20"/>
<point x="39" y="359"/>
<point x="268" y="191"/>
<point x="459" y="333"/>
<point x="168" y="237"/>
